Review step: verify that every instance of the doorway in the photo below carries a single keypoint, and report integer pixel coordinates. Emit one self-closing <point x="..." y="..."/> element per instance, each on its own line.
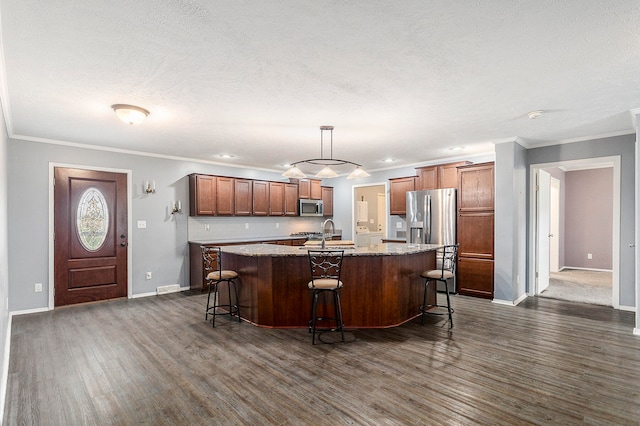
<point x="90" y="223"/>
<point x="370" y="219"/>
<point x="541" y="220"/>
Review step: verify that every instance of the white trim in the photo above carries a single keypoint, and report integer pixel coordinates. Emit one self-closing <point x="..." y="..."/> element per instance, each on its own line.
<point x="509" y="302"/>
<point x="628" y="308"/>
<point x="587" y="269"/>
<point x="5" y="367"/>
<point x="29" y="311"/>
<point x="615" y="163"/>
<point x="129" y="174"/>
<point x="353" y="203"/>
<point x="578" y="139"/>
<point x="153" y="293"/>
<point x="636" y="331"/>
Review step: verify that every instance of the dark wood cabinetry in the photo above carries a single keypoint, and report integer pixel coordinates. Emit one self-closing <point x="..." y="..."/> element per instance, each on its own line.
<point x="327" y="201"/>
<point x="439" y="176"/>
<point x="243" y="197"/>
<point x="475" y="229"/>
<point x="398" y="188"/>
<point x="290" y="199"/>
<point x="224" y="196"/>
<point x="276" y="199"/>
<point x="260" y="198"/>
<point x="309" y="189"/>
<point x="204" y="204"/>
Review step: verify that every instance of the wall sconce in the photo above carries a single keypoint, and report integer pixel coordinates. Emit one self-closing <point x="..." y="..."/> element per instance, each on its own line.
<point x="150" y="187"/>
<point x="177" y="207"/>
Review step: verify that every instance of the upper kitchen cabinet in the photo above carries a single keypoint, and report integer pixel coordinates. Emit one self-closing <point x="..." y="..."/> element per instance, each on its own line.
<point x="476" y="187"/>
<point x="243" y="197"/>
<point x="260" y="198"/>
<point x="276" y="199"/>
<point x="327" y="201"/>
<point x="398" y="188"/>
<point x="290" y="199"/>
<point x="439" y="176"/>
<point x="309" y="189"/>
<point x="202" y="195"/>
<point x="225" y="200"/>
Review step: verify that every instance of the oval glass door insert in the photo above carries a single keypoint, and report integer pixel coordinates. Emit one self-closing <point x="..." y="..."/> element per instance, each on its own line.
<point x="92" y="219"/>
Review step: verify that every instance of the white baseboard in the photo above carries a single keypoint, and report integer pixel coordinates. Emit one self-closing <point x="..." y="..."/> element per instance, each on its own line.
<point x="627" y="308"/>
<point x="155" y="293"/>
<point x="29" y="311"/>
<point x="636" y="331"/>
<point x="585" y="269"/>
<point x="510" y="302"/>
<point x="5" y="368"/>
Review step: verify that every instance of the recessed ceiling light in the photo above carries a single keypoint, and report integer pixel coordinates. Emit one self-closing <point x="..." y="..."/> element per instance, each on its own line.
<point x="225" y="156"/>
<point x="535" y="114"/>
<point x="389" y="160"/>
<point x="456" y="148"/>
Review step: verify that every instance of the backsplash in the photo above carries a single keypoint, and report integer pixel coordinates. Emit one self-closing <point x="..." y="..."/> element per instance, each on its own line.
<point x="225" y="228"/>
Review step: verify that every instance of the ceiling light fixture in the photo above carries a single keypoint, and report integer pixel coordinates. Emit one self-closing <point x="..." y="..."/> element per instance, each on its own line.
<point x="130" y="114"/>
<point x="327" y="172"/>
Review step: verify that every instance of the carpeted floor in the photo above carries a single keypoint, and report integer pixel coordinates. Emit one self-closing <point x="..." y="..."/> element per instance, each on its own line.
<point x="580" y="286"/>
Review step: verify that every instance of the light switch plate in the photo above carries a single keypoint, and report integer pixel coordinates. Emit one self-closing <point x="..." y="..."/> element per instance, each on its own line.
<point x="398" y="225"/>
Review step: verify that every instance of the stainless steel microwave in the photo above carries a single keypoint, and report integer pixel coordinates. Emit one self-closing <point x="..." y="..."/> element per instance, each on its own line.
<point x="310" y="208"/>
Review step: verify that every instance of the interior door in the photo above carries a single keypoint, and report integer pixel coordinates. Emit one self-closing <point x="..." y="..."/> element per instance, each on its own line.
<point x="90" y="235"/>
<point x="543" y="213"/>
<point x="554" y="226"/>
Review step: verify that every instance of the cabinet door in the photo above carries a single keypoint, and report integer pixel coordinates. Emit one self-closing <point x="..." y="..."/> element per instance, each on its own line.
<point x="260" y="198"/>
<point x="327" y="200"/>
<point x="290" y="199"/>
<point x="398" y="194"/>
<point x="202" y="195"/>
<point x="224" y="198"/>
<point x="475" y="187"/>
<point x="276" y="199"/>
<point x="428" y="178"/>
<point x="315" y="189"/>
<point x="243" y="197"/>
<point x="448" y="174"/>
<point x="475" y="234"/>
<point x="304" y="189"/>
<point x="475" y="277"/>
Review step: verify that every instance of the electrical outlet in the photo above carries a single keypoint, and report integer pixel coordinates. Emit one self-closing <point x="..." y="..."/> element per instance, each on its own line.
<point x="589" y="256"/>
<point x="246" y="225"/>
<point x="398" y="225"/>
<point x="38" y="287"/>
<point x="148" y="275"/>
<point x="142" y="224"/>
<point x="277" y="225"/>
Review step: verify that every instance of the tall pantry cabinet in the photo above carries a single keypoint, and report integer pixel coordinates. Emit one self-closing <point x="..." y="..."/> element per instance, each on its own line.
<point x="475" y="229"/>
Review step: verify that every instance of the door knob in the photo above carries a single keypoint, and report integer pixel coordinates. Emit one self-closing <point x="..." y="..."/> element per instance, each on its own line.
<point x="123" y="244"/>
<point x="550" y="235"/>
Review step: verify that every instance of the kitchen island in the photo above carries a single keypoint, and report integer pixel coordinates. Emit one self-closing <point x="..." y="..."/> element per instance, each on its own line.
<point x="382" y="284"/>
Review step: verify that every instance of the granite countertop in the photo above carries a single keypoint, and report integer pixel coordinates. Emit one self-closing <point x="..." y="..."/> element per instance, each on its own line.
<point x="251" y="239"/>
<point x="388" y="249"/>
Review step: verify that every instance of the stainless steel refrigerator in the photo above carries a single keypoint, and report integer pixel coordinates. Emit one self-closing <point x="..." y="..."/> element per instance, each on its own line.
<point x="431" y="219"/>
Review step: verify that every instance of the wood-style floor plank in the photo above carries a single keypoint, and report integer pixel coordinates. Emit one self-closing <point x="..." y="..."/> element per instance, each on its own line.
<point x="156" y="361"/>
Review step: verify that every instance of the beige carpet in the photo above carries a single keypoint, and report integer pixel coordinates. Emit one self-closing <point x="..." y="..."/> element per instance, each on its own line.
<point x="580" y="286"/>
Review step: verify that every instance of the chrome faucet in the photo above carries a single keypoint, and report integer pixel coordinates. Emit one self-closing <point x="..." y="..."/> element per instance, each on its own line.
<point x="324" y="229"/>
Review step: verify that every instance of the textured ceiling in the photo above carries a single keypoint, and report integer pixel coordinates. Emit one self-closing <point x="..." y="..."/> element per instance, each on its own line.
<point x="255" y="79"/>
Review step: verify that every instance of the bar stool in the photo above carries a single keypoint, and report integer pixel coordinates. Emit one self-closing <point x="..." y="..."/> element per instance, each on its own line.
<point x="325" y="278"/>
<point x="215" y="276"/>
<point x="446" y="257"/>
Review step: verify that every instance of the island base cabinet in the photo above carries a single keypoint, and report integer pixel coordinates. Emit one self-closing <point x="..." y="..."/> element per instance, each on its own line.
<point x="378" y="292"/>
<point x="475" y="277"/>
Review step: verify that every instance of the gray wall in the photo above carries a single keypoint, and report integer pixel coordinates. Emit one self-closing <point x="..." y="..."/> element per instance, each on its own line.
<point x="4" y="261"/>
<point x="588" y="218"/>
<point x="160" y="248"/>
<point x="623" y="146"/>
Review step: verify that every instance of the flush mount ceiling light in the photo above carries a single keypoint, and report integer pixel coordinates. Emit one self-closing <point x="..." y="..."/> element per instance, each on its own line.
<point x="130" y="114"/>
<point x="535" y="114"/>
<point x="327" y="172"/>
<point x="456" y="148"/>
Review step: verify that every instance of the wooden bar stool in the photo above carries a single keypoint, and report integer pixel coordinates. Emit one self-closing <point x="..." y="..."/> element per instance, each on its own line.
<point x="215" y="276"/>
<point x="446" y="257"/>
<point x="325" y="278"/>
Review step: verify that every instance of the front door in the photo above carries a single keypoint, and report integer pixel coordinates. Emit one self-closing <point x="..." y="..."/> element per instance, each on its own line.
<point x="90" y="235"/>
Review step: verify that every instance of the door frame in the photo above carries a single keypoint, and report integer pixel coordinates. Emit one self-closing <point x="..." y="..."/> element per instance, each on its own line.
<point x="613" y="161"/>
<point x="354" y="223"/>
<point x="129" y="173"/>
<point x="554" y="219"/>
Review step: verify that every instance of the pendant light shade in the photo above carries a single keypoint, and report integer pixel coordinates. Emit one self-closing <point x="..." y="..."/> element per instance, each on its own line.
<point x="327" y="172"/>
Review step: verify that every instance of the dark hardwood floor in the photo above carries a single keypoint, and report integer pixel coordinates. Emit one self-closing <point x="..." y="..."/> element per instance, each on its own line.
<point x="155" y="361"/>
